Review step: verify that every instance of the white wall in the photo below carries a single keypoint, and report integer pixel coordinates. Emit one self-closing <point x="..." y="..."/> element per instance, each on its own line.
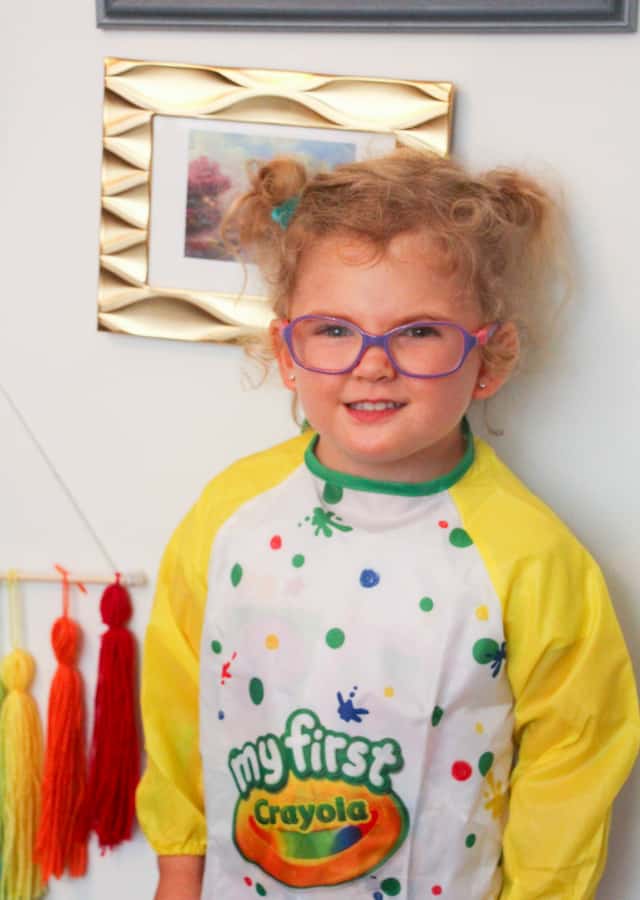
<point x="137" y="426"/>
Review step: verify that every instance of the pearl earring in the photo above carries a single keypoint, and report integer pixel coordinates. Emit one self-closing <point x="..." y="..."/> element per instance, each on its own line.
<point x="481" y="384"/>
<point x="292" y="377"/>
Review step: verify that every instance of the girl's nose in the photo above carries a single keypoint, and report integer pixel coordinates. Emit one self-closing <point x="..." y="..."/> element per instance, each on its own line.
<point x="375" y="365"/>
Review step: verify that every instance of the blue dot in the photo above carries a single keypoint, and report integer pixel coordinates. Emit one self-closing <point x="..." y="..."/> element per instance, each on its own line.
<point x="369" y="578"/>
<point x="378" y="896"/>
<point x="221" y="715"/>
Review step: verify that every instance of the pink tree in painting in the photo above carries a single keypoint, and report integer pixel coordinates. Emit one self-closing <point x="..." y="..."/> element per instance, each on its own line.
<point x="205" y="185"/>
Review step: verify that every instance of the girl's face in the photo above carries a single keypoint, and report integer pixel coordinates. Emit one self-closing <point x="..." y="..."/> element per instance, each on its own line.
<point x="419" y="439"/>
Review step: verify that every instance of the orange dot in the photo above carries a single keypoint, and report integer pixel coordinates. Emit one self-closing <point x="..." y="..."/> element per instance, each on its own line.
<point x="389" y="691"/>
<point x="272" y="642"/>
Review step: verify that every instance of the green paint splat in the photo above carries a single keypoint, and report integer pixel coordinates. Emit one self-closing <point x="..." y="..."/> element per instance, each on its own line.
<point x="391" y="887"/>
<point x="298" y="561"/>
<point x="326" y="522"/>
<point x="261" y="889"/>
<point x="470" y="840"/>
<point x="216" y="646"/>
<point x="256" y="691"/>
<point x="335" y="638"/>
<point x="436" y="716"/>
<point x="485" y="762"/>
<point x="485" y="650"/>
<point x="236" y="575"/>
<point x="460" y="538"/>
<point x="426" y="604"/>
<point x="332" y="493"/>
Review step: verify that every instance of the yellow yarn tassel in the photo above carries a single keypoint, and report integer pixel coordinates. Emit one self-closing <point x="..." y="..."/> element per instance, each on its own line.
<point x="20" y="770"/>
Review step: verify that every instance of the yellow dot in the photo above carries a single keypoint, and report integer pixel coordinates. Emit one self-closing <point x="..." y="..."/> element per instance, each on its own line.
<point x="482" y="613"/>
<point x="479" y="727"/>
<point x="272" y="642"/>
<point x="389" y="692"/>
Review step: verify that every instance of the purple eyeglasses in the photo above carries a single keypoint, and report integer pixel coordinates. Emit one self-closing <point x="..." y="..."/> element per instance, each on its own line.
<point x="422" y="349"/>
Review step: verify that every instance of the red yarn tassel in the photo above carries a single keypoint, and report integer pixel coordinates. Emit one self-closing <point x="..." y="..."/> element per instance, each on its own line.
<point x="61" y="842"/>
<point x="114" y="766"/>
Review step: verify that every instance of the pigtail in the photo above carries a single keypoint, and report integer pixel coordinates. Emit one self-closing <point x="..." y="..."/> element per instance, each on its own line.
<point x="249" y="225"/>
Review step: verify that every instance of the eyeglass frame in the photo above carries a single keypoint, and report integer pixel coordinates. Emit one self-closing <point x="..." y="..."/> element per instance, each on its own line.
<point x="471" y="339"/>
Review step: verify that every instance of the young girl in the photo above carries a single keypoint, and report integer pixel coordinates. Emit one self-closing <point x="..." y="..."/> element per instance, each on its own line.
<point x="378" y="665"/>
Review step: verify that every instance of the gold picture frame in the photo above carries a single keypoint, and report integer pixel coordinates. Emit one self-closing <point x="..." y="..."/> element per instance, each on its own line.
<point x="416" y="113"/>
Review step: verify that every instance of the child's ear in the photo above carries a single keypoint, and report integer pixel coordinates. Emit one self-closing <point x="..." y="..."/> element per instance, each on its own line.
<point x="281" y="351"/>
<point x="492" y="375"/>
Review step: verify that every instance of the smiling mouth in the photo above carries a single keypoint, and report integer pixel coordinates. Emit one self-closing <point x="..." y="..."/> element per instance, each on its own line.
<point x="377" y="406"/>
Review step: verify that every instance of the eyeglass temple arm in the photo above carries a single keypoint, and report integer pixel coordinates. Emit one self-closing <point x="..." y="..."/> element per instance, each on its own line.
<point x="484" y="335"/>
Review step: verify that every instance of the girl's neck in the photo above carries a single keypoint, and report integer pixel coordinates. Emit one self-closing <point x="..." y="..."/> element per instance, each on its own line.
<point x="428" y="465"/>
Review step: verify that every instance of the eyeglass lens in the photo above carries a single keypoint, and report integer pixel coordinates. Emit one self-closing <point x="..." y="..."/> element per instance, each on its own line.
<point x="419" y="348"/>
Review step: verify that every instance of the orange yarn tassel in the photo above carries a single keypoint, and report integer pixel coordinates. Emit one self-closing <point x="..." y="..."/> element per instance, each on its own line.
<point x="61" y="842"/>
<point x="114" y="765"/>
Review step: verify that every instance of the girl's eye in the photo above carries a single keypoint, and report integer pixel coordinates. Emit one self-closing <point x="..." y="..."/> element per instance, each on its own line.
<point x="333" y="331"/>
<point x="421" y="331"/>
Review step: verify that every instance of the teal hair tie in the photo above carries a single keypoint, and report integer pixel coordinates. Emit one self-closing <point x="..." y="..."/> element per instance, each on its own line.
<point x="282" y="214"/>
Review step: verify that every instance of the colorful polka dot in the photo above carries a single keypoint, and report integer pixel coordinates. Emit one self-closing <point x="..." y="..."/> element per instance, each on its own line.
<point x="436" y="890"/>
<point x="485" y="650"/>
<point x="443" y="524"/>
<point x="256" y="691"/>
<point x="470" y="840"/>
<point x="436" y="716"/>
<point x="426" y="604"/>
<point x="332" y="493"/>
<point x="377" y="895"/>
<point x="482" y="613"/>
<point x="261" y="889"/>
<point x="391" y="887"/>
<point x="460" y="538"/>
<point x="298" y="561"/>
<point x="272" y="642"/>
<point x="369" y="578"/>
<point x="236" y="575"/>
<point x="216" y="646"/>
<point x="335" y="638"/>
<point x="247" y="881"/>
<point x="479" y="727"/>
<point x="276" y="542"/>
<point x="389" y="691"/>
<point x="221" y="715"/>
<point x="485" y="762"/>
<point x="461" y="770"/>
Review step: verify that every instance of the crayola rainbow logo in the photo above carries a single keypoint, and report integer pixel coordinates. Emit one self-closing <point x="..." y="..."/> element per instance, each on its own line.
<point x="316" y="807"/>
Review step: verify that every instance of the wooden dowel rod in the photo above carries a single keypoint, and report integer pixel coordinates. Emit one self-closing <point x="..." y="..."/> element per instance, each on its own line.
<point x="131" y="579"/>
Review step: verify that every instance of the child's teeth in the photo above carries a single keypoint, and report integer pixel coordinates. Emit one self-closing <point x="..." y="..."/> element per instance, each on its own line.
<point x="374" y="406"/>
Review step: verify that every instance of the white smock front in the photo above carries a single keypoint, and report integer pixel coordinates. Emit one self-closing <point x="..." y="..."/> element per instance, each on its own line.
<point x="355" y="715"/>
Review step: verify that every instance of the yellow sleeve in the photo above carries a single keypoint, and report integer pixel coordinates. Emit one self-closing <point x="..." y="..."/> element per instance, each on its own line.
<point x="169" y="799"/>
<point x="577" y="727"/>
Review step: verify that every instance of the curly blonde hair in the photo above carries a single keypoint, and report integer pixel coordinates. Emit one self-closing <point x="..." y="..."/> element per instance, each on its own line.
<point x="501" y="233"/>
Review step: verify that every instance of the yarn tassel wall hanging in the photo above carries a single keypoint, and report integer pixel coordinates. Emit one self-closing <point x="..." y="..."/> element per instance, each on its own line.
<point x="61" y="842"/>
<point x="114" y="763"/>
<point x="20" y="766"/>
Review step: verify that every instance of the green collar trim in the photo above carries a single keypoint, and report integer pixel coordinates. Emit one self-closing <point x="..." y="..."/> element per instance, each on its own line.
<point x="401" y="488"/>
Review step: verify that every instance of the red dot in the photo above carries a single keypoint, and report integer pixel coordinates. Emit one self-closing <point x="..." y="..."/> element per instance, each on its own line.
<point x="461" y="770"/>
<point x="248" y="881"/>
<point x="276" y="542"/>
<point x="436" y="890"/>
<point x="443" y="524"/>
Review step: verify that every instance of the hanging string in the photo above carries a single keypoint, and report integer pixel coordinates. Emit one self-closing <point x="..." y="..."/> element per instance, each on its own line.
<point x="58" y="477"/>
